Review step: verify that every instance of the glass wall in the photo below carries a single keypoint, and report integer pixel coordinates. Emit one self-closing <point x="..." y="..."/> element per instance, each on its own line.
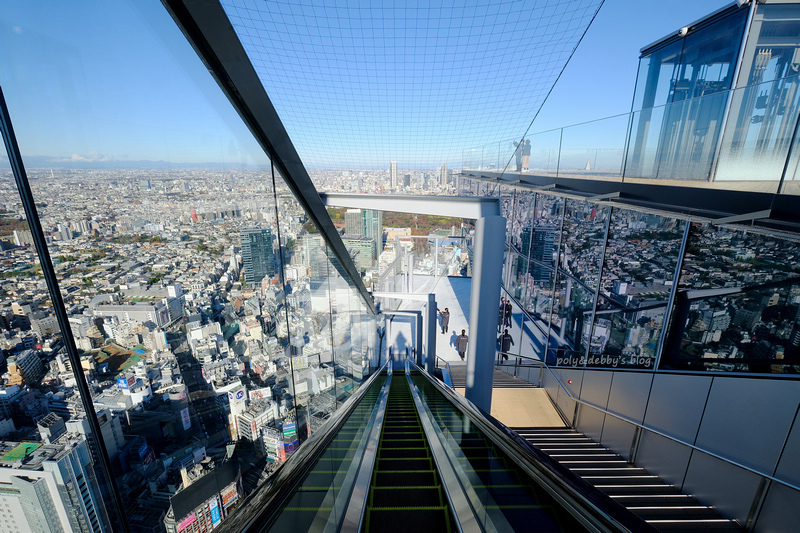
<point x="737" y="307"/>
<point x="593" y="286"/>
<point x="213" y="325"/>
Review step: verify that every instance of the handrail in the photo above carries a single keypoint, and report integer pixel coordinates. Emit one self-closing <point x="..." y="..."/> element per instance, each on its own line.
<point x="447" y="372"/>
<point x="642" y="426"/>
<point x="263" y="503"/>
<point x="594" y="508"/>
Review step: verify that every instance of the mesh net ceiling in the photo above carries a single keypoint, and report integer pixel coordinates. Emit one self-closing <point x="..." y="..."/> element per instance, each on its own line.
<point x="358" y="84"/>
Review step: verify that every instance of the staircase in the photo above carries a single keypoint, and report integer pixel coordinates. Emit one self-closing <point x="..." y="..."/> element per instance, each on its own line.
<point x="500" y="380"/>
<point x="663" y="506"/>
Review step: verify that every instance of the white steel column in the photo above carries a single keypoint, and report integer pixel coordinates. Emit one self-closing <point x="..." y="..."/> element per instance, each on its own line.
<point x="487" y="269"/>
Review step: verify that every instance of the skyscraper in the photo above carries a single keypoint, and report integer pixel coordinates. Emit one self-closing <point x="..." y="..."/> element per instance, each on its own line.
<point x="443" y="175"/>
<point x="373" y="227"/>
<point x="353" y="222"/>
<point x="393" y="174"/>
<point x="257" y="254"/>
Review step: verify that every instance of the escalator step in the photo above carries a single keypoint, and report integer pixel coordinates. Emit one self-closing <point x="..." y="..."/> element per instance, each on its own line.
<point x="400" y="520"/>
<point x="406" y="479"/>
<point x="405" y="497"/>
<point x="404" y="464"/>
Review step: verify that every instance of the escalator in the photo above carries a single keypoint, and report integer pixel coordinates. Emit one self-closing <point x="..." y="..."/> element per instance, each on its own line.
<point x="406" y="492"/>
<point x="405" y="454"/>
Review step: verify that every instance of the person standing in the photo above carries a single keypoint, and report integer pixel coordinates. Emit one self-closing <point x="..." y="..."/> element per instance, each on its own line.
<point x="518" y="154"/>
<point x="461" y="344"/>
<point x="507" y="313"/>
<point x="501" y="313"/>
<point x="506" y="342"/>
<point x="526" y="155"/>
<point x="445" y="319"/>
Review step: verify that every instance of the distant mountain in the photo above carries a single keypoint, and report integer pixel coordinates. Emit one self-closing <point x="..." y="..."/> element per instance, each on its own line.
<point x="36" y="161"/>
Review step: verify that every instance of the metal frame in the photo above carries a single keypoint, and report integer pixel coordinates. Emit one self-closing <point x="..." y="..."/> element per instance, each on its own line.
<point x="31" y="213"/>
<point x="207" y="28"/>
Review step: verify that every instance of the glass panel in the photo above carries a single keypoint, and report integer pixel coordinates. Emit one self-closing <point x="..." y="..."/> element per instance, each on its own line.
<point x="570" y="322"/>
<point x="44" y="424"/>
<point x="212" y="326"/>
<point x="737" y="304"/>
<point x="656" y="72"/>
<point x="545" y="148"/>
<point x="773" y="43"/>
<point x="640" y="260"/>
<point x="760" y="129"/>
<point x="594" y="149"/>
<point x="678" y="141"/>
<point x="583" y="238"/>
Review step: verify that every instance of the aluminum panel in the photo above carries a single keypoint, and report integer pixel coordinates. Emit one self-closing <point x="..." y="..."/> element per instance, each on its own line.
<point x="596" y="386"/>
<point x="590" y="422"/>
<point x="676" y="404"/>
<point x="618" y="436"/>
<point x="729" y="488"/>
<point x="781" y="511"/>
<point x="663" y="457"/>
<point x="747" y="420"/>
<point x="789" y="465"/>
<point x="629" y="392"/>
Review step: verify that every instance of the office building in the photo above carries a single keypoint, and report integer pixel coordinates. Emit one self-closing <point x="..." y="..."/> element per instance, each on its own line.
<point x="353" y="222"/>
<point x="393" y="175"/>
<point x="258" y="257"/>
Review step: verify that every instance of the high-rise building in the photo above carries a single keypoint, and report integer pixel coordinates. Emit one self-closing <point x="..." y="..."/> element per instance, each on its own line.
<point x="257" y="254"/>
<point x="373" y="227"/>
<point x="393" y="174"/>
<point x="50" y="487"/>
<point x="443" y="175"/>
<point x="353" y="222"/>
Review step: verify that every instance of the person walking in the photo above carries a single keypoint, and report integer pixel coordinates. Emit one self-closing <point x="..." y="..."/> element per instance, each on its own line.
<point x="461" y="344"/>
<point x="445" y="319"/>
<point x="506" y="342"/>
<point x="507" y="313"/>
<point x="501" y="313"/>
<point x="526" y="155"/>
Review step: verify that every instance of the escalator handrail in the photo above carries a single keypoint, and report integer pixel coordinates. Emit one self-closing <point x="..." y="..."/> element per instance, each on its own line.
<point x="592" y="504"/>
<point x="260" y="506"/>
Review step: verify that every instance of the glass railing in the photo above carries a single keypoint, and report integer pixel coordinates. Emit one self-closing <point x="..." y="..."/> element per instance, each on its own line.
<point x="743" y="139"/>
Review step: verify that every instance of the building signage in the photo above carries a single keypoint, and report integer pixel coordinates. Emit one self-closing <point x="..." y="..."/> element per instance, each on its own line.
<point x="289" y="430"/>
<point x="257" y="394"/>
<point x="300" y="362"/>
<point x="122" y="383"/>
<point x="142" y="450"/>
<point x="186" y="522"/>
<point x="229" y="497"/>
<point x="213" y="511"/>
<point x="187" y="422"/>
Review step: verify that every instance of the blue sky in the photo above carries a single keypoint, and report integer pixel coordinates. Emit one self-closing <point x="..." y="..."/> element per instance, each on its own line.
<point x="116" y="81"/>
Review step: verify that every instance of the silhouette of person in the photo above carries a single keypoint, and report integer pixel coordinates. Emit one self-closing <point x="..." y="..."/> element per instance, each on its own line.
<point x="526" y="155"/>
<point x="518" y="154"/>
<point x="507" y="313"/>
<point x="461" y="343"/>
<point x="506" y="342"/>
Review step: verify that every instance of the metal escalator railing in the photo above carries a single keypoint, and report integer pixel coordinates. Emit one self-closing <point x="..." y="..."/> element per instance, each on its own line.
<point x="507" y="474"/>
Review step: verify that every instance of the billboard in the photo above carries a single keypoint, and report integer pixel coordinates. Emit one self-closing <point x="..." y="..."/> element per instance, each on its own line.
<point x="300" y="362"/>
<point x="213" y="511"/>
<point x="230" y="497"/>
<point x="289" y="430"/>
<point x="186" y="522"/>
<point x="257" y="394"/>
<point x="143" y="450"/>
<point x="126" y="382"/>
<point x="187" y="422"/>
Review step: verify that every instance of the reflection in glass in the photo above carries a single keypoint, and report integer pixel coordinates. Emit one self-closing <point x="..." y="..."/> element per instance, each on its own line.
<point x="583" y="238"/>
<point x="571" y="320"/>
<point x="640" y="260"/>
<point x="737" y="306"/>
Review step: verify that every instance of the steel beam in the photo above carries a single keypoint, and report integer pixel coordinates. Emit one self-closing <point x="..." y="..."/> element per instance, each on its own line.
<point x="471" y="207"/>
